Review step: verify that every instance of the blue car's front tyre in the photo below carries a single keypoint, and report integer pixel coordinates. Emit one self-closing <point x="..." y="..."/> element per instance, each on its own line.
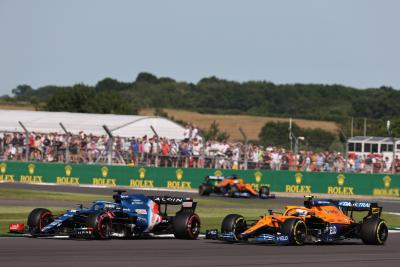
<point x="101" y="224"/>
<point x="37" y="219"/>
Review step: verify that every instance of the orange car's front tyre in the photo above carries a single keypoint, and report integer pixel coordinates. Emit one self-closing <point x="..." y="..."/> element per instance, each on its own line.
<point x="296" y="230"/>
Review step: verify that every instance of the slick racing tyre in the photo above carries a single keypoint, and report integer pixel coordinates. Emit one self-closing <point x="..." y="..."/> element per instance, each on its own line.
<point x="204" y="190"/>
<point x="374" y="231"/>
<point x="186" y="225"/>
<point x="232" y="191"/>
<point x="37" y="219"/>
<point x="296" y="230"/>
<point x="234" y="223"/>
<point x="101" y="224"/>
<point x="264" y="192"/>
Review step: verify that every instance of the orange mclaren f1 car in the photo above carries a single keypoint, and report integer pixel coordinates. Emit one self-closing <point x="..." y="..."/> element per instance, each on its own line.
<point x="231" y="186"/>
<point x="318" y="221"/>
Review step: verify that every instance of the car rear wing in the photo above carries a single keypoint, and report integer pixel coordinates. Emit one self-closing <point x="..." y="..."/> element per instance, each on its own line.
<point x="215" y="178"/>
<point x="374" y="210"/>
<point x="187" y="203"/>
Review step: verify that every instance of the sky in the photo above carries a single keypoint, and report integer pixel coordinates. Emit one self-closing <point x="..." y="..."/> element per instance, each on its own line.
<point x="350" y="42"/>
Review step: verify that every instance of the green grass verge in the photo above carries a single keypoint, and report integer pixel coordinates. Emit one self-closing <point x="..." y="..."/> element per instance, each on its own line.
<point x="49" y="195"/>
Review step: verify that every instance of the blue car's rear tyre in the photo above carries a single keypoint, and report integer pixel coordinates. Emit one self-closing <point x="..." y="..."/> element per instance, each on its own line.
<point x="186" y="225"/>
<point x="37" y="219"/>
<point x="101" y="224"/>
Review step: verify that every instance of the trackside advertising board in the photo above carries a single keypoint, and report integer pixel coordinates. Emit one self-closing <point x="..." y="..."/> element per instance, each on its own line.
<point x="191" y="178"/>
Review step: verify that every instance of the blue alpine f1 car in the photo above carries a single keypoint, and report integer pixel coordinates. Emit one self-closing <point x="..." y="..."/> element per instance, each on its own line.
<point x="128" y="216"/>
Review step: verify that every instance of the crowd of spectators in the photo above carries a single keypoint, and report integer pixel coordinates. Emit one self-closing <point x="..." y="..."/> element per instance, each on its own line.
<point x="191" y="151"/>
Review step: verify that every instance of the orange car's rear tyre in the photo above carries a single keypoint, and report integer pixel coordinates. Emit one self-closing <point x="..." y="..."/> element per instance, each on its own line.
<point x="232" y="191"/>
<point x="204" y="190"/>
<point x="264" y="192"/>
<point x="234" y="223"/>
<point x="296" y="230"/>
<point x="374" y="231"/>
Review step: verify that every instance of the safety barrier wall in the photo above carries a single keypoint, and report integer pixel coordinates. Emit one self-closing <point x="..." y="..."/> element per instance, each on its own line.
<point x="191" y="178"/>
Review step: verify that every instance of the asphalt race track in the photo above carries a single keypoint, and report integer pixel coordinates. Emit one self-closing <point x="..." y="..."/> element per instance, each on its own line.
<point x="23" y="251"/>
<point x="20" y="251"/>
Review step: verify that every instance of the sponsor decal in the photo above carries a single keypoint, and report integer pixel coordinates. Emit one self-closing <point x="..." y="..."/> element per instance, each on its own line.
<point x="258" y="176"/>
<point x="141" y="182"/>
<point x="298" y="187"/>
<point x="3" y="176"/>
<point x="104" y="181"/>
<point x="141" y="211"/>
<point x="178" y="184"/>
<point x="67" y="179"/>
<point x="387" y="190"/>
<point x="340" y="189"/>
<point x="31" y="178"/>
<point x="168" y="200"/>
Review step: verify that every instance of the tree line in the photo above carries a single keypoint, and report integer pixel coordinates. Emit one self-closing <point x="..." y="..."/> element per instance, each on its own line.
<point x="218" y="96"/>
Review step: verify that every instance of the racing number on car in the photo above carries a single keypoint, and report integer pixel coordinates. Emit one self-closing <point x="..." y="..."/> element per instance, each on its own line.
<point x="332" y="230"/>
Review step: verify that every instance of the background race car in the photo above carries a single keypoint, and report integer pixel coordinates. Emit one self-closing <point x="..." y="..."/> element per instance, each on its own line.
<point x="319" y="220"/>
<point x="128" y="216"/>
<point x="231" y="186"/>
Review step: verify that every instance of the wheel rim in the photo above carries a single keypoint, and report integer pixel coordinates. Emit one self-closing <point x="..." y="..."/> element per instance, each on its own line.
<point x="300" y="232"/>
<point x="104" y="228"/>
<point x="193" y="227"/>
<point x="382" y="232"/>
<point x="45" y="219"/>
<point x="239" y="227"/>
